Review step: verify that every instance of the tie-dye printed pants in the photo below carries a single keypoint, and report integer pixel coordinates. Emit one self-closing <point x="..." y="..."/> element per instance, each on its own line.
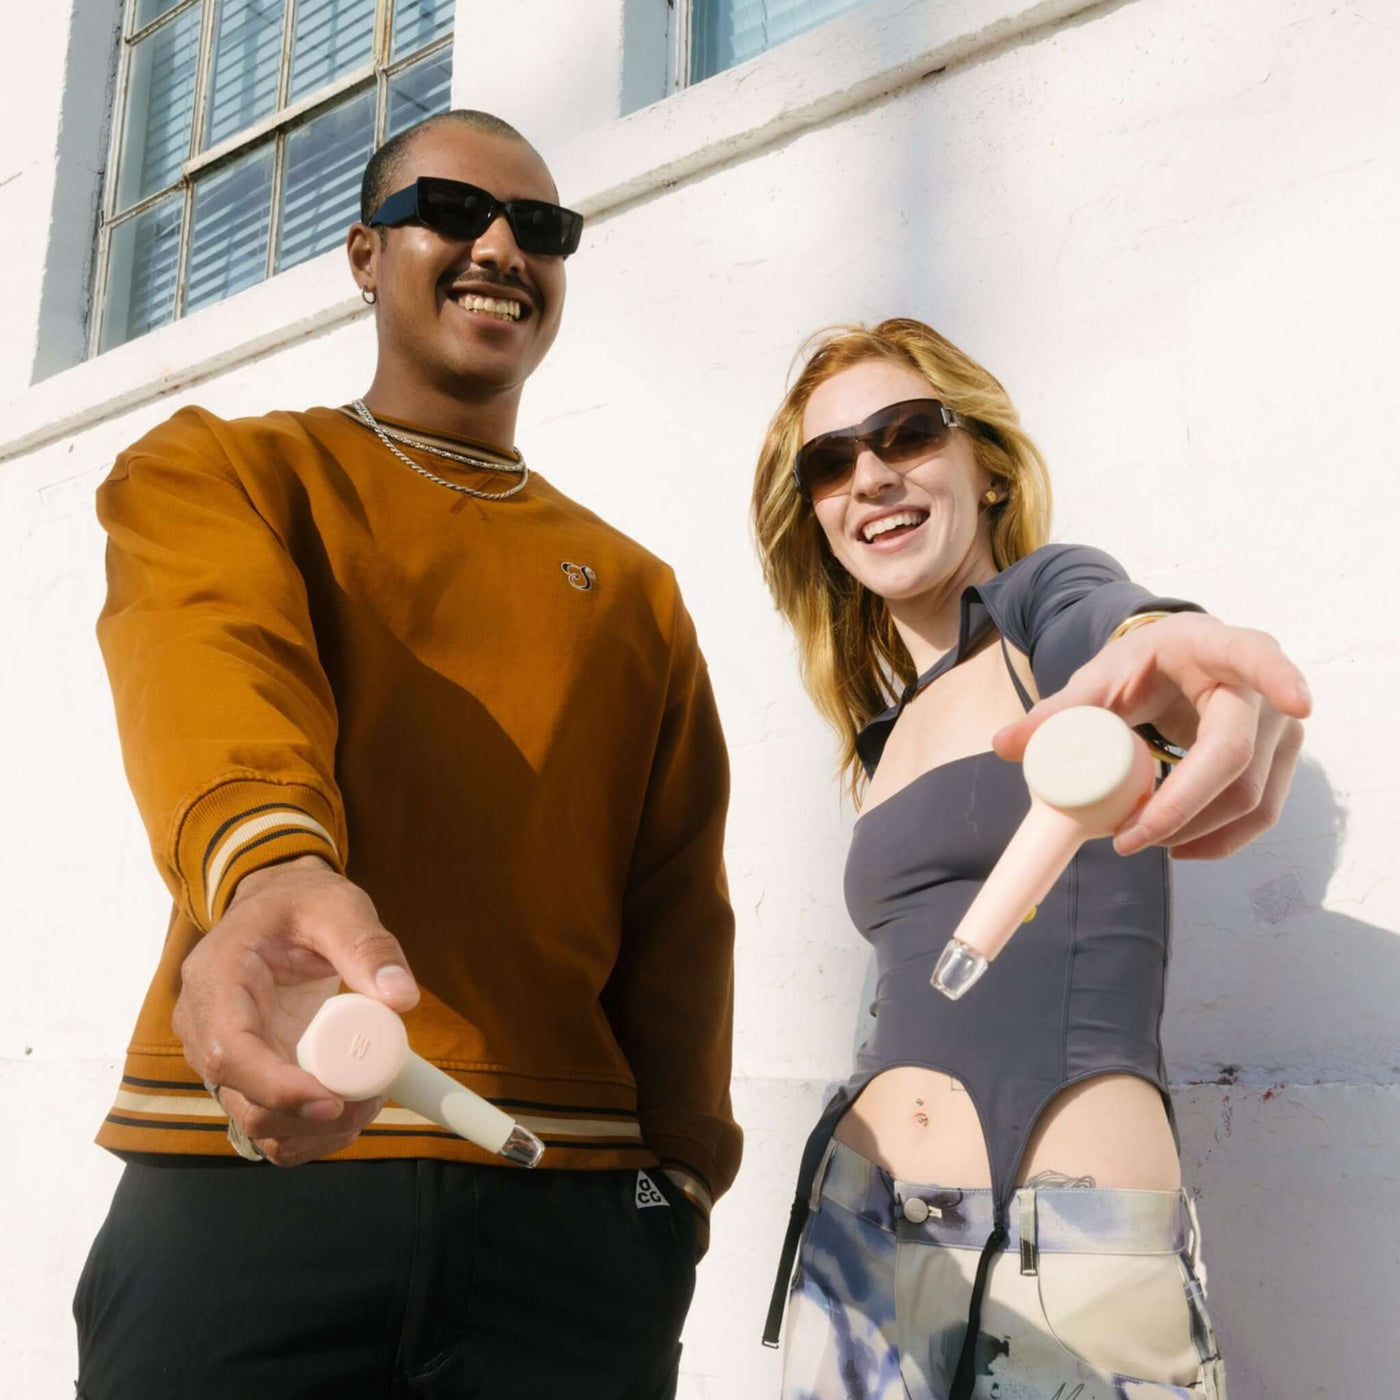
<point x="1098" y="1295"/>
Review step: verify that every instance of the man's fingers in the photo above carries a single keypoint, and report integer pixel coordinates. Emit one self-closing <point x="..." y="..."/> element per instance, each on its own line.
<point x="244" y="1062"/>
<point x="1222" y="752"/>
<point x="259" y="1122"/>
<point x="296" y="1152"/>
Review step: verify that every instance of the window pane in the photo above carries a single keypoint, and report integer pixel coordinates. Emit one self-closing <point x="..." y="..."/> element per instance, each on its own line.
<point x="332" y="38"/>
<point x="418" y="92"/>
<point x="141" y="267"/>
<point x="159" y="104"/>
<point x="247" y="61"/>
<point x="147" y="10"/>
<point x="325" y="162"/>
<point x="419" y="22"/>
<point x="726" y="32"/>
<point x="228" y="243"/>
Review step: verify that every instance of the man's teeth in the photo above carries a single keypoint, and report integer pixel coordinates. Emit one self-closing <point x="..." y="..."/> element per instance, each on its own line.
<point x="501" y="310"/>
<point x="886" y="523"/>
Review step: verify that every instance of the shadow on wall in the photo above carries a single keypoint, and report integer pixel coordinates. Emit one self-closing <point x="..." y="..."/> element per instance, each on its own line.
<point x="89" y="79"/>
<point x="1267" y="985"/>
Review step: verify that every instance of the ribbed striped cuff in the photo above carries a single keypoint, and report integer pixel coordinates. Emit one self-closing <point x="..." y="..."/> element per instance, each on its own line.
<point x="697" y="1192"/>
<point x="242" y="826"/>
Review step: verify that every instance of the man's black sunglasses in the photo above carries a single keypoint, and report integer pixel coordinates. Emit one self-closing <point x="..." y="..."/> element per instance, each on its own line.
<point x="459" y="210"/>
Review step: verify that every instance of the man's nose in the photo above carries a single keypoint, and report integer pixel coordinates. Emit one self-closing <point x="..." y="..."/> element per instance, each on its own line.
<point x="496" y="247"/>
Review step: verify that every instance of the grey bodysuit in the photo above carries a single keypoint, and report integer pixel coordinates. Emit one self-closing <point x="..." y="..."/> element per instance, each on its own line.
<point x="1079" y="991"/>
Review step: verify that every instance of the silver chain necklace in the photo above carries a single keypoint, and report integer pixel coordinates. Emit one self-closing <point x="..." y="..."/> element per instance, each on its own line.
<point x="370" y="421"/>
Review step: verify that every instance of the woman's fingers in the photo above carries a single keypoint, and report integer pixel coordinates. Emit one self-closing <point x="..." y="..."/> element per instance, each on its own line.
<point x="1236" y="656"/>
<point x="1232" y="836"/>
<point x="1222" y="753"/>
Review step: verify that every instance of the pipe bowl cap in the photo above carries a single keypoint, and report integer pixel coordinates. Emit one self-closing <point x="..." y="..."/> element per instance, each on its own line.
<point x="1079" y="757"/>
<point x="354" y="1045"/>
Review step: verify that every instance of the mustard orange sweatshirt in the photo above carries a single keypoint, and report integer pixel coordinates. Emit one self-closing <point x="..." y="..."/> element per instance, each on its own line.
<point x="491" y="715"/>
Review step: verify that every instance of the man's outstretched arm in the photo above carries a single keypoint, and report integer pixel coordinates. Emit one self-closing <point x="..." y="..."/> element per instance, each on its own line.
<point x="228" y="730"/>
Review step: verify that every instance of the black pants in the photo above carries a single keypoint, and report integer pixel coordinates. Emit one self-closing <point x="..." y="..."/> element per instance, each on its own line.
<point x="384" y="1280"/>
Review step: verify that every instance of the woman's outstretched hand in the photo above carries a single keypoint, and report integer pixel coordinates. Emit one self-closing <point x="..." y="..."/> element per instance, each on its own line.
<point x="1229" y="695"/>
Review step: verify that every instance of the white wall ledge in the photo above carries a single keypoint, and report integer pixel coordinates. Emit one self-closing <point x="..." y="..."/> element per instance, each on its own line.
<point x="839" y="66"/>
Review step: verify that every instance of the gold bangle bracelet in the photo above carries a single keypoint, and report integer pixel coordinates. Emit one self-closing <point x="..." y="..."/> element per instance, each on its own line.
<point x="1134" y="621"/>
<point x="1157" y="743"/>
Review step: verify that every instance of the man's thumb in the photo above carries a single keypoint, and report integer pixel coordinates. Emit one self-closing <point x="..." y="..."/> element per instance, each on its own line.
<point x="376" y="966"/>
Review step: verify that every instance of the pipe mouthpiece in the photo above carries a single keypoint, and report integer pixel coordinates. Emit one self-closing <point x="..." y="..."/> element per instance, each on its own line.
<point x="522" y="1147"/>
<point x="957" y="969"/>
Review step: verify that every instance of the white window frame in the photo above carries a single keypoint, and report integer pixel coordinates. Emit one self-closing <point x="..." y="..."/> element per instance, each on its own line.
<point x="278" y="125"/>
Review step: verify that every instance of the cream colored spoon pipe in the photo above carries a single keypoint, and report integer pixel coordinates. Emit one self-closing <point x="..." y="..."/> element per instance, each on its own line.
<point x="358" y="1048"/>
<point x="1087" y="773"/>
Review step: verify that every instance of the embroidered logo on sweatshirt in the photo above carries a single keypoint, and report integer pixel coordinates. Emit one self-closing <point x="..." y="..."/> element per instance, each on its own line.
<point x="580" y="576"/>
<point x="648" y="1193"/>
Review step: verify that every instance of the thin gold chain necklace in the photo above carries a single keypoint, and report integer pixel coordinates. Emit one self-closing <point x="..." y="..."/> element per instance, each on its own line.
<point x="370" y="421"/>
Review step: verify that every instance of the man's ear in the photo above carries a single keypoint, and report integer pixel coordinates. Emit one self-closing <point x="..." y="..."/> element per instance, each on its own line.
<point x="362" y="247"/>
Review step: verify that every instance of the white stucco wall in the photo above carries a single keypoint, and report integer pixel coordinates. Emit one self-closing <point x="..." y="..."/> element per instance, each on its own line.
<point x="1169" y="227"/>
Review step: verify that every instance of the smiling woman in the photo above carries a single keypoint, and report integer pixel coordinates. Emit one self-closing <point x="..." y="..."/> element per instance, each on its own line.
<point x="901" y="514"/>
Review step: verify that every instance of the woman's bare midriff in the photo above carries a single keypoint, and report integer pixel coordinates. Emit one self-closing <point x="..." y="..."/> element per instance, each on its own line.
<point x="921" y="1126"/>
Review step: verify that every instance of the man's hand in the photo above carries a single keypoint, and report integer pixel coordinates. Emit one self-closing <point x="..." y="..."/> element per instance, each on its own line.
<point x="292" y="933"/>
<point x="1229" y="695"/>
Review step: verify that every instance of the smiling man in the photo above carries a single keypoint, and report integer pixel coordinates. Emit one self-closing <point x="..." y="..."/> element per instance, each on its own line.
<point x="398" y="714"/>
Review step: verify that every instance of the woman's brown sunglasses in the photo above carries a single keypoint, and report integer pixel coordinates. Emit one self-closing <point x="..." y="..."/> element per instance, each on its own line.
<point x="898" y="434"/>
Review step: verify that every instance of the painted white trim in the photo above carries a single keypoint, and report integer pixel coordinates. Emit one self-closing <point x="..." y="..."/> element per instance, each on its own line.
<point x="832" y="69"/>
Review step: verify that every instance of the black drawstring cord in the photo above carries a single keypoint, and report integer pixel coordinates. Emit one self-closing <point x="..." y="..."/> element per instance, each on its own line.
<point x="965" y="1377"/>
<point x="801" y="1208"/>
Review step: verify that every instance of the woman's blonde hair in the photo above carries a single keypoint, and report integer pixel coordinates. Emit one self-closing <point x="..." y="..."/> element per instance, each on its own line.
<point x="852" y="659"/>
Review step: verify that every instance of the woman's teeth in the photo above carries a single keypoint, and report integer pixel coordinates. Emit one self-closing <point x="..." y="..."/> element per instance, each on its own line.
<point x="490" y="306"/>
<point x="886" y="523"/>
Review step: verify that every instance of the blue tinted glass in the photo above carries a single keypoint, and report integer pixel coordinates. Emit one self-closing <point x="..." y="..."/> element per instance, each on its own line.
<point x="726" y="32"/>
<point x="228" y="241"/>
<point x="147" y="10"/>
<point x="325" y="161"/>
<point x="330" y="38"/>
<point x="159" y="108"/>
<point x="420" y="91"/>
<point x="142" y="260"/>
<point x="419" y="22"/>
<point x="247" y="61"/>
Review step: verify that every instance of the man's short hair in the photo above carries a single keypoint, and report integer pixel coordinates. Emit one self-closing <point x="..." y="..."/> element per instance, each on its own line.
<point x="382" y="174"/>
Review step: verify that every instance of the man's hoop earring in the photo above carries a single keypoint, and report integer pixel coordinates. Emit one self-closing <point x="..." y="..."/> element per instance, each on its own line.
<point x="368" y="295"/>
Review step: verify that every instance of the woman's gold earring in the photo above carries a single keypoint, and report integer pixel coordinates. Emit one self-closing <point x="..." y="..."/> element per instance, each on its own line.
<point x="991" y="498"/>
<point x="368" y="295"/>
